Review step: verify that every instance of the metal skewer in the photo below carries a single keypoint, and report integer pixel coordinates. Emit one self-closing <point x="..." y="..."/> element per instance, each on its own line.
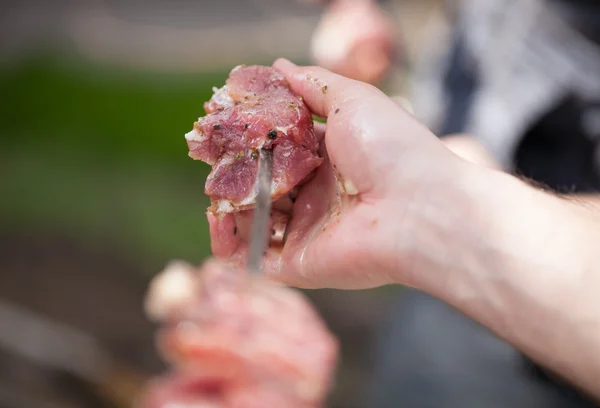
<point x="259" y="237"/>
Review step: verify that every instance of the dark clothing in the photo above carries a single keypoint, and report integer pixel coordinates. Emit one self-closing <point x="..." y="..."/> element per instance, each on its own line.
<point x="431" y="356"/>
<point x="582" y="14"/>
<point x="558" y="153"/>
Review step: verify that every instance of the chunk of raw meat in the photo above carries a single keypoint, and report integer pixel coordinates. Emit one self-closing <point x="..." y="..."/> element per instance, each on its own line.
<point x="256" y="109"/>
<point x="235" y="341"/>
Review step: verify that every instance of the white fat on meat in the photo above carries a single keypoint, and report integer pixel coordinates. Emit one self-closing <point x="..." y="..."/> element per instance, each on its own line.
<point x="226" y="206"/>
<point x="170" y="290"/>
<point x="195" y="136"/>
<point x="221" y="97"/>
<point x="349" y="187"/>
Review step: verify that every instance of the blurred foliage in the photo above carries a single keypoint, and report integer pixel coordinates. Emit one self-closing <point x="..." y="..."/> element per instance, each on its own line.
<point x="99" y="154"/>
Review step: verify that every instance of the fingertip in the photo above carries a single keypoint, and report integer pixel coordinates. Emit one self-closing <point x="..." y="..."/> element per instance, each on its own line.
<point x="318" y="86"/>
<point x="223" y="235"/>
<point x="308" y="87"/>
<point x="270" y="264"/>
<point x="284" y="65"/>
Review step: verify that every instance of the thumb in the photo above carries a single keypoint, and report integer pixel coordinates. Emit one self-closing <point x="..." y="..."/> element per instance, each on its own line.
<point x="366" y="131"/>
<point x="322" y="90"/>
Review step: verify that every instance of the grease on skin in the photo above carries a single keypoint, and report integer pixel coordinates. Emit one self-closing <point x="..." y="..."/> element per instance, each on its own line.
<point x="350" y="188"/>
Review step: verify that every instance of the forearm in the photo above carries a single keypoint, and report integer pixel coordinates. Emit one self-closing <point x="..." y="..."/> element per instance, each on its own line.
<point x="525" y="264"/>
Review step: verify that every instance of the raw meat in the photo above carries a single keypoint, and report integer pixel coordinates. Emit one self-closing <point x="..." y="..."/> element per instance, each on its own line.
<point x="256" y="109"/>
<point x="236" y="341"/>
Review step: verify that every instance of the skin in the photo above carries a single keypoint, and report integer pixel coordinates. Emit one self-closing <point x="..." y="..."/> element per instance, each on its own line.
<point x="522" y="262"/>
<point x="368" y="40"/>
<point x="468" y="148"/>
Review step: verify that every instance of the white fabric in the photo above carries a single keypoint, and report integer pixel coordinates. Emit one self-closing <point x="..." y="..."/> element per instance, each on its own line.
<point x="528" y="58"/>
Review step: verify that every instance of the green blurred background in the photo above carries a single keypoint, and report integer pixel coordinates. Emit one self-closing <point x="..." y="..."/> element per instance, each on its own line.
<point x="99" y="154"/>
<point x="97" y="192"/>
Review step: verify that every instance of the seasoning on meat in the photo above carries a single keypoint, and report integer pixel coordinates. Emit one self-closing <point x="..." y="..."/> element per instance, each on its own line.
<point x="256" y="109"/>
<point x="234" y="340"/>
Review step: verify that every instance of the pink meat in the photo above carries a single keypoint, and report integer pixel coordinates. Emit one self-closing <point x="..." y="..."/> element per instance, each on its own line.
<point x="256" y="109"/>
<point x="241" y="342"/>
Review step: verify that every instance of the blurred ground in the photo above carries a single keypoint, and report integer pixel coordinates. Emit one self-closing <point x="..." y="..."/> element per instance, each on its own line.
<point x="96" y="190"/>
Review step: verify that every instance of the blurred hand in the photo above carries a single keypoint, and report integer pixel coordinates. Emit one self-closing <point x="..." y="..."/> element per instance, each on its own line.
<point x="358" y="229"/>
<point x="355" y="38"/>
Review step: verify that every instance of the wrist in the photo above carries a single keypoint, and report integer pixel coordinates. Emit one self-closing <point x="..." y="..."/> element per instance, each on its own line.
<point x="473" y="227"/>
<point x="490" y="227"/>
<point x="524" y="244"/>
<point x="519" y="261"/>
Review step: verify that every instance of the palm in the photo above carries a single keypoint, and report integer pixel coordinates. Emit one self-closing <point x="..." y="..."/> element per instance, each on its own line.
<point x="329" y="231"/>
<point x="350" y="240"/>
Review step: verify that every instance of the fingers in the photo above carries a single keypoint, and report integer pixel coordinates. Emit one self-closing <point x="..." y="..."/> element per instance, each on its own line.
<point x="369" y="137"/>
<point x="322" y="89"/>
<point x="342" y="102"/>
<point x="230" y="234"/>
<point x="317" y="204"/>
<point x="224" y="237"/>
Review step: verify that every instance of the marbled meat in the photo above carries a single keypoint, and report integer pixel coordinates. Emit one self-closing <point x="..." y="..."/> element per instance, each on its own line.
<point x="256" y="109"/>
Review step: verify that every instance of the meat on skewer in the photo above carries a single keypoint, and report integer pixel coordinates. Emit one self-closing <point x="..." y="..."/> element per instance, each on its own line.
<point x="256" y="109"/>
<point x="236" y="341"/>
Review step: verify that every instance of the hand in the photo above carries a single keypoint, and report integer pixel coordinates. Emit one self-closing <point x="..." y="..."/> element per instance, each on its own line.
<point x="355" y="38"/>
<point x="389" y="167"/>
<point x="471" y="150"/>
<point x="506" y="254"/>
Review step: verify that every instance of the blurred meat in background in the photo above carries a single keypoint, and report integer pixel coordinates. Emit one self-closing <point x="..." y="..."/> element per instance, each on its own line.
<point x="355" y="38"/>
<point x="97" y="192"/>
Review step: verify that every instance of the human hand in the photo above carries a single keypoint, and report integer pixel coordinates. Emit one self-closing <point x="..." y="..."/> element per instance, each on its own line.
<point x="355" y="38"/>
<point x="361" y="229"/>
<point x="405" y="209"/>
<point x="467" y="147"/>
